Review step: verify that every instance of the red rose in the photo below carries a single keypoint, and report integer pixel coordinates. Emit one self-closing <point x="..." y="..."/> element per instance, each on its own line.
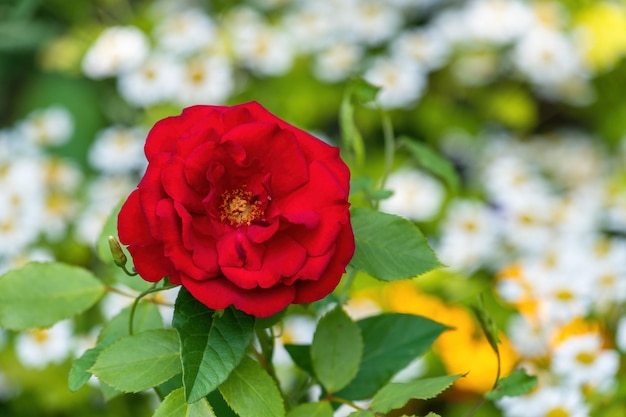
<point x="241" y="208"/>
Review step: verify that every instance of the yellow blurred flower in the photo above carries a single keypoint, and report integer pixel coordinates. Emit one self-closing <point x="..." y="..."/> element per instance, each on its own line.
<point x="603" y="34"/>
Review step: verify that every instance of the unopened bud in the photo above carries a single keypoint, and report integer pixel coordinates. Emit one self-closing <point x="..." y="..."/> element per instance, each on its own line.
<point x="118" y="254"/>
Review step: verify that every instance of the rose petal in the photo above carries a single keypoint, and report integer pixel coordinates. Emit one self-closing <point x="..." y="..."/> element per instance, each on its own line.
<point x="259" y="302"/>
<point x="171" y="229"/>
<point x="131" y="222"/>
<point x="150" y="262"/>
<point x="175" y="185"/>
<point x="166" y="133"/>
<point x="309" y="291"/>
<point x="236" y="250"/>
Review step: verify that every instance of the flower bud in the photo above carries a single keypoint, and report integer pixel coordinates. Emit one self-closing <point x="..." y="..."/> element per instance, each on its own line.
<point x="118" y="254"/>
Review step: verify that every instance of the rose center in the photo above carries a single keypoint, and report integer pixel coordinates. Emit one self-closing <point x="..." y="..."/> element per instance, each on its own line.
<point x="240" y="207"/>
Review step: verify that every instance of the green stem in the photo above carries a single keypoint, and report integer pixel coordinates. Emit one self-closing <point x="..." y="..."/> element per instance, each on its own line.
<point x="347" y="283"/>
<point x="350" y="404"/>
<point x="482" y="401"/>
<point x="266" y="341"/>
<point x="390" y="148"/>
<point x="150" y="290"/>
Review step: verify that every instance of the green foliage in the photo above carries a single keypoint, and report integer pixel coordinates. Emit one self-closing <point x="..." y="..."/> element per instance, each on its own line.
<point x="397" y="395"/>
<point x="301" y="356"/>
<point x="362" y="413"/>
<point x="433" y="162"/>
<point x="517" y="383"/>
<point x="318" y="409"/>
<point x="360" y="91"/>
<point x="336" y="350"/>
<point x="251" y="392"/>
<point x="487" y="324"/>
<point x="212" y="344"/>
<point x="175" y="405"/>
<point x="141" y="361"/>
<point x="391" y="342"/>
<point x="389" y="247"/>
<point x="41" y="294"/>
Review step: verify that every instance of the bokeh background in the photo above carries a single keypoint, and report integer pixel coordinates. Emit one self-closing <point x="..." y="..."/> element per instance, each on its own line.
<point x="524" y="98"/>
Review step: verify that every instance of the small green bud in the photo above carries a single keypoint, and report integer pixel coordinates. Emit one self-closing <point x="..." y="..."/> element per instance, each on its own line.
<point x="118" y="254"/>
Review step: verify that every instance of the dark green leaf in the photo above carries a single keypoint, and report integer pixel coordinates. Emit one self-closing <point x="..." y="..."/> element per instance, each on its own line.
<point x="79" y="374"/>
<point x="141" y="361"/>
<point x="301" y="356"/>
<point x="517" y="383"/>
<point x="251" y="392"/>
<point x="174" y="405"/>
<point x="391" y="342"/>
<point x="336" y="350"/>
<point x="397" y="395"/>
<point x="318" y="409"/>
<point x="433" y="162"/>
<point x="389" y="247"/>
<point x="211" y="345"/>
<point x="41" y="294"/>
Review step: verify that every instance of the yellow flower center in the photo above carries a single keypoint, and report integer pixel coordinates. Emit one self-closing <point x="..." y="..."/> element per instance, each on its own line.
<point x="557" y="412"/>
<point x="586" y="358"/>
<point x="564" y="295"/>
<point x="240" y="207"/>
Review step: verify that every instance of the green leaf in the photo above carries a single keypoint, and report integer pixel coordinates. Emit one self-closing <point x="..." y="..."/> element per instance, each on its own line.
<point x="397" y="395"/>
<point x="336" y="350"/>
<point x="318" y="409"/>
<point x="301" y="356"/>
<point x="362" y="413"/>
<point x="79" y="374"/>
<point x="389" y="247"/>
<point x="251" y="392"/>
<point x="517" y="383"/>
<point x="391" y="342"/>
<point x="433" y="162"/>
<point x="175" y="405"/>
<point x="141" y="361"/>
<point x="363" y="91"/>
<point x="211" y="345"/>
<point x="147" y="317"/>
<point x="41" y="294"/>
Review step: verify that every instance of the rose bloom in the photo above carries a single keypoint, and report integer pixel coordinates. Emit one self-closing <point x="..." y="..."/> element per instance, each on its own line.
<point x="241" y="208"/>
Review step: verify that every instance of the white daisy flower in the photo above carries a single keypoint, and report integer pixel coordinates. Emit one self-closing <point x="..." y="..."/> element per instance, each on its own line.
<point x="205" y="80"/>
<point x="370" y="21"/>
<point x="154" y="81"/>
<point x="118" y="49"/>
<point x="416" y="195"/>
<point x="496" y="21"/>
<point x="52" y="126"/>
<point x="185" y="32"/>
<point x="118" y="150"/>
<point x="547" y="401"/>
<point x="469" y="235"/>
<point x="426" y="47"/>
<point x="337" y="62"/>
<point x="401" y="82"/>
<point x="265" y="50"/>
<point x="547" y="57"/>
<point x="40" y="347"/>
<point x="581" y="361"/>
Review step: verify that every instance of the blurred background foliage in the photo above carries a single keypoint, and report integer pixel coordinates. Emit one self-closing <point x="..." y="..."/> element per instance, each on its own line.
<point x="523" y="98"/>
